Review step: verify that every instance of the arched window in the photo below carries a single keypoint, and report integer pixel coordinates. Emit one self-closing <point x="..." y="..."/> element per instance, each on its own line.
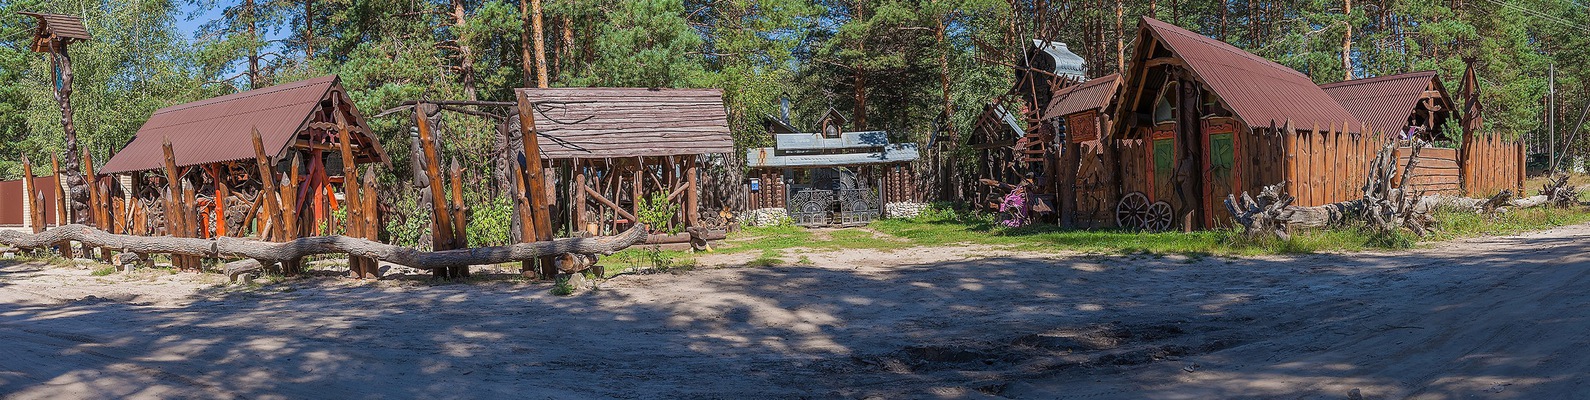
<point x="1165" y="108"/>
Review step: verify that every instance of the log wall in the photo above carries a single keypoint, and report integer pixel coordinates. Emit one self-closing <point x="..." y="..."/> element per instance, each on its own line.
<point x="1436" y="173"/>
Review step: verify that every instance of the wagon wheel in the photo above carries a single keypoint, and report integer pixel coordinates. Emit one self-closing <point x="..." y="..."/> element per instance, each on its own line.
<point x="1132" y="211"/>
<point x="1160" y="216"/>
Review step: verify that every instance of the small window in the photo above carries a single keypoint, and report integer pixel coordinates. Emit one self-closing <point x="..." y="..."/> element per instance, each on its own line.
<point x="1165" y="108"/>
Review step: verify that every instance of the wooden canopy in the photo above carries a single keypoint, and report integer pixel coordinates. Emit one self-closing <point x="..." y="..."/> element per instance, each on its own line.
<point x="299" y="114"/>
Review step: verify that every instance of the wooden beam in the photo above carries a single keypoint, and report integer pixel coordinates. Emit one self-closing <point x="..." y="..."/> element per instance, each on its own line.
<point x="441" y="227"/>
<point x="1161" y="61"/>
<point x="609" y="203"/>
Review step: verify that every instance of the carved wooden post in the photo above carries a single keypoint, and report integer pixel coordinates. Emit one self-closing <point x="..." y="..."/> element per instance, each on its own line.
<point x="61" y="213"/>
<point x="190" y="223"/>
<point x="535" y="182"/>
<point x="97" y="198"/>
<point x="441" y="225"/>
<point x="54" y="40"/>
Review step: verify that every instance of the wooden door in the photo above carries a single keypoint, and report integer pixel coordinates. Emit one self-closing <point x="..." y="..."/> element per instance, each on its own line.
<point x="1219" y="166"/>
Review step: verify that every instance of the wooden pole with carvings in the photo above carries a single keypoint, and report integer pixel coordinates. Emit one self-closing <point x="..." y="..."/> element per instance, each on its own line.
<point x="535" y="183"/>
<point x="441" y="226"/>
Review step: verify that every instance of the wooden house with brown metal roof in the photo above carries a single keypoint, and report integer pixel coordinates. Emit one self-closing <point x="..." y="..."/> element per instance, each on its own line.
<point x="1198" y="119"/>
<point x="212" y="147"/>
<point x="1080" y="116"/>
<point x="1413" y="104"/>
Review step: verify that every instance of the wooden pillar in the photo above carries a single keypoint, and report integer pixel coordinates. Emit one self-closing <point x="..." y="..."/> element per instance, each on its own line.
<point x="372" y="215"/>
<point x="63" y="212"/>
<point x="636" y="191"/>
<point x="271" y="225"/>
<point x="522" y="203"/>
<point x="692" y="192"/>
<point x="441" y="228"/>
<point x="460" y="219"/>
<point x="578" y="193"/>
<point x="31" y="196"/>
<point x="174" y="209"/>
<point x="354" y="223"/>
<point x="535" y="182"/>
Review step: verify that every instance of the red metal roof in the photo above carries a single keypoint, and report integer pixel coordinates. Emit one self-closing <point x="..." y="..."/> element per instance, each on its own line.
<point x="1258" y="90"/>
<point x="629" y="122"/>
<point x="220" y="129"/>
<point x="1095" y="94"/>
<point x="1384" y="101"/>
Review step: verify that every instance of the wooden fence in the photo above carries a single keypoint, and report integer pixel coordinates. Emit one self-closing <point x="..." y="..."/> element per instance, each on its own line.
<point x="1490" y="164"/>
<point x="1325" y="165"/>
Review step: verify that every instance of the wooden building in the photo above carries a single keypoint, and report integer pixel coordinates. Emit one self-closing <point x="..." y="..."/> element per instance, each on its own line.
<point x="1080" y="116"/>
<point x="1417" y="105"/>
<point x="1198" y="119"/>
<point x="616" y="150"/>
<point x="212" y="149"/>
<point x="832" y="178"/>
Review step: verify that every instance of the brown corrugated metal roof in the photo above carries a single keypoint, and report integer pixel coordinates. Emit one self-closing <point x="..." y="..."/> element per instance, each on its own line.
<point x="220" y="129"/>
<point x="1385" y="101"/>
<point x="1095" y="94"/>
<point x="629" y="122"/>
<point x="1258" y="90"/>
<point x="65" y="26"/>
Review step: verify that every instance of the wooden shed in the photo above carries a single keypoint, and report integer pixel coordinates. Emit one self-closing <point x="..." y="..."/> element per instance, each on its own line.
<point x="1198" y="119"/>
<point x="615" y="150"/>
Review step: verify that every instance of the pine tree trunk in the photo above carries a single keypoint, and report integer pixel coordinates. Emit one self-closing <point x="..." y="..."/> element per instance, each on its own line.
<point x="1347" y="39"/>
<point x="466" y="57"/>
<point x="309" y="29"/>
<point x="254" y="79"/>
<point x="1120" y="37"/>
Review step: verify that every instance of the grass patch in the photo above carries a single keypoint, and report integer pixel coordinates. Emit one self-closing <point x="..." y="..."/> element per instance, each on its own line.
<point x="948" y="228"/>
<point x="769" y="258"/>
<point x="106" y="271"/>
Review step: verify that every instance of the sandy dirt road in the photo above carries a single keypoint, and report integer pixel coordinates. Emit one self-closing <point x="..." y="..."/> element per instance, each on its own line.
<point x="1503" y="318"/>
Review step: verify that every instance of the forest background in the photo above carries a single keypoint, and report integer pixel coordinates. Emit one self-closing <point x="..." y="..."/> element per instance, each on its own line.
<point x="917" y="69"/>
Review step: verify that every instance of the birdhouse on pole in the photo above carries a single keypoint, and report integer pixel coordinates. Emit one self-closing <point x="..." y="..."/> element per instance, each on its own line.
<point x="52" y="35"/>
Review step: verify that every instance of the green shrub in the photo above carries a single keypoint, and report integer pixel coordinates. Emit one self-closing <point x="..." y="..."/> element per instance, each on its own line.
<point x="491" y="222"/>
<point x="657" y="212"/>
<point x="562" y="287"/>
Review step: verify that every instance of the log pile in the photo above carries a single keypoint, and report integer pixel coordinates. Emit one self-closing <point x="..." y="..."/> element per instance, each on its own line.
<point x="256" y="255"/>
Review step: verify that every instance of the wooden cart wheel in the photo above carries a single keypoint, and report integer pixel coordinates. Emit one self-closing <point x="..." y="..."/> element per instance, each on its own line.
<point x="1160" y="217"/>
<point x="1132" y="211"/>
